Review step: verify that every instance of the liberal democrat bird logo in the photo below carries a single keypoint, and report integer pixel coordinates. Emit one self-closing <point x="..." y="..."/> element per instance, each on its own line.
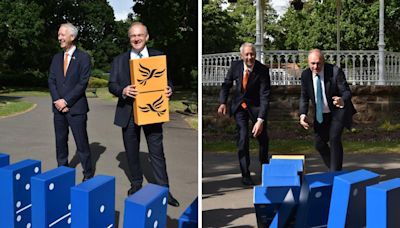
<point x="148" y="74"/>
<point x="154" y="107"/>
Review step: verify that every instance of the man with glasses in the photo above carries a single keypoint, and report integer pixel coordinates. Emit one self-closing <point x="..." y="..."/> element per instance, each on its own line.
<point x="326" y="86"/>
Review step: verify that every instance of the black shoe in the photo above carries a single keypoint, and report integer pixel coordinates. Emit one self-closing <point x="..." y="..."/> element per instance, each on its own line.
<point x="172" y="201"/>
<point x="86" y="178"/>
<point x="247" y="181"/>
<point x="134" y="189"/>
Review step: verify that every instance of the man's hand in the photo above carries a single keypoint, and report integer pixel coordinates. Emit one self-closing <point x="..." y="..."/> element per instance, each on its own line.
<point x="304" y="122"/>
<point x="130" y="91"/>
<point x="338" y="102"/>
<point x="222" y="110"/>
<point x="258" y="128"/>
<point x="168" y="92"/>
<point x="65" y="109"/>
<point x="60" y="104"/>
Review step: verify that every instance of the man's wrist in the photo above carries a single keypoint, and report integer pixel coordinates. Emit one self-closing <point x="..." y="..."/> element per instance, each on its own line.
<point x="302" y="116"/>
<point x="260" y="120"/>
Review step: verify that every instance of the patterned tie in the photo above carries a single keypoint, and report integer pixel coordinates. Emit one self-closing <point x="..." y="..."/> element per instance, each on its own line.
<point x="244" y="83"/>
<point x="319" y="102"/>
<point x="140" y="55"/>
<point x="65" y="63"/>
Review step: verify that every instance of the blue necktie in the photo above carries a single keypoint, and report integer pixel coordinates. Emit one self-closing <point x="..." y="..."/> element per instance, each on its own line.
<point x="319" y="102"/>
<point x="140" y="55"/>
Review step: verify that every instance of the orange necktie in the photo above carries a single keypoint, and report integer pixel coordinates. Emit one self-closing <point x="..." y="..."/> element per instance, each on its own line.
<point x="65" y="64"/>
<point x="244" y="83"/>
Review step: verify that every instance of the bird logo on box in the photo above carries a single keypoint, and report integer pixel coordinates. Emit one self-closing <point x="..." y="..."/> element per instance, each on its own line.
<point x="154" y="107"/>
<point x="148" y="74"/>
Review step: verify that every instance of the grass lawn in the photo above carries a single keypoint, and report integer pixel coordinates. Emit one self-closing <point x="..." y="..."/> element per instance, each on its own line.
<point x="13" y="106"/>
<point x="305" y="146"/>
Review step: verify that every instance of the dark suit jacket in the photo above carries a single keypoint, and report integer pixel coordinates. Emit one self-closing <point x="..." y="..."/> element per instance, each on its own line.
<point x="257" y="93"/>
<point x="335" y="85"/>
<point x="71" y="87"/>
<point x="120" y="77"/>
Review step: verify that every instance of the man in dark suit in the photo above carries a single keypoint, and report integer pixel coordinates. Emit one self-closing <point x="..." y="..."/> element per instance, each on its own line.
<point x="68" y="79"/>
<point x="120" y="85"/>
<point x="250" y="101"/>
<point x="326" y="86"/>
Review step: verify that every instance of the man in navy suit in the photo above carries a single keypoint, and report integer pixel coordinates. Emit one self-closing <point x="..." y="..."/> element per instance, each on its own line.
<point x="326" y="86"/>
<point x="120" y="85"/>
<point x="250" y="101"/>
<point x="68" y="79"/>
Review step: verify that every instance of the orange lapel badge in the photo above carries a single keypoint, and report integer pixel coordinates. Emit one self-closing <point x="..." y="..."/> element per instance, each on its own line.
<point x="150" y="77"/>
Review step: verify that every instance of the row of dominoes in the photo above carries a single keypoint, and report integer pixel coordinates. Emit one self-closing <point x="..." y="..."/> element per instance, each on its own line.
<point x="287" y="198"/>
<point x="30" y="198"/>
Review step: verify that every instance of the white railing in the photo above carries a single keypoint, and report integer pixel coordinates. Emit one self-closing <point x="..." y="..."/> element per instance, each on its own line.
<point x="359" y="66"/>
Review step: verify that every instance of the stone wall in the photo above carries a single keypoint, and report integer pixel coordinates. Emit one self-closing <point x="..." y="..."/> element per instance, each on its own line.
<point x="373" y="103"/>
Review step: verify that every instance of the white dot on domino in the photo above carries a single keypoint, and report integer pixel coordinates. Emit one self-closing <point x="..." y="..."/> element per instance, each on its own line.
<point x="28" y="225"/>
<point x="36" y="170"/>
<point x="18" y="204"/>
<point x="155" y="224"/>
<point x="69" y="220"/>
<point x="69" y="206"/>
<point x="102" y="209"/>
<point x="164" y="201"/>
<point x="149" y="213"/>
<point x="17" y="176"/>
<point x="27" y="186"/>
<point x="318" y="195"/>
<point x="19" y="218"/>
<point x="51" y="186"/>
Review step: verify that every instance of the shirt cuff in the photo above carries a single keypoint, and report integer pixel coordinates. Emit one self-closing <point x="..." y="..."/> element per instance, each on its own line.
<point x="303" y="115"/>
<point x="260" y="120"/>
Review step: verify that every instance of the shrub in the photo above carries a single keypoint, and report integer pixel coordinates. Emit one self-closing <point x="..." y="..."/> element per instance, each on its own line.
<point x="97" y="82"/>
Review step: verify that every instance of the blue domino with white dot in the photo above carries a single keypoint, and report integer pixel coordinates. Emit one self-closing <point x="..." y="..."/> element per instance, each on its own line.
<point x="147" y="207"/>
<point x="15" y="193"/>
<point x="348" y="200"/>
<point x="315" y="198"/>
<point x="189" y="218"/>
<point x="383" y="204"/>
<point x="4" y="159"/>
<point x="51" y="201"/>
<point x="93" y="203"/>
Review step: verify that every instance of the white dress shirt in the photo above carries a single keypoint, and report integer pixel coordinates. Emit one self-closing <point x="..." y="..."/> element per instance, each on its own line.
<point x="321" y="76"/>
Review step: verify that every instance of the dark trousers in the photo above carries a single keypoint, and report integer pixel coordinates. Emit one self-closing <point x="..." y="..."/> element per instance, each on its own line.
<point x="328" y="141"/>
<point x="242" y="117"/>
<point x="77" y="123"/>
<point x="154" y="138"/>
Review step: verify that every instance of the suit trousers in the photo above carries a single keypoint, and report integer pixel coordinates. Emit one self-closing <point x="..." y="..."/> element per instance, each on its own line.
<point x="328" y="141"/>
<point x="78" y="124"/>
<point x="154" y="138"/>
<point x="242" y="117"/>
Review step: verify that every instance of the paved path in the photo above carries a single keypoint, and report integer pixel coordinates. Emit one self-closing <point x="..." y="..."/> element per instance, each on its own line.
<point x="227" y="203"/>
<point x="31" y="135"/>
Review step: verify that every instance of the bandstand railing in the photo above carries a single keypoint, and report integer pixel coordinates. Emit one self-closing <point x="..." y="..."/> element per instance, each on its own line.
<point x="359" y="66"/>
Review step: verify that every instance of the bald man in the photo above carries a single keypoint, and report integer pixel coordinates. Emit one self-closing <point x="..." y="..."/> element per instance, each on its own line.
<point x="326" y="87"/>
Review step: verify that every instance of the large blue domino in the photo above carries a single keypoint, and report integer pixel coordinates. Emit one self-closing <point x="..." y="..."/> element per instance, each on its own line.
<point x="189" y="218"/>
<point x="298" y="163"/>
<point x="147" y="207"/>
<point x="383" y="204"/>
<point x="268" y="199"/>
<point x="281" y="174"/>
<point x="315" y="198"/>
<point x="15" y="193"/>
<point x="4" y="159"/>
<point x="347" y="208"/>
<point x="285" y="213"/>
<point x="51" y="201"/>
<point x="93" y="203"/>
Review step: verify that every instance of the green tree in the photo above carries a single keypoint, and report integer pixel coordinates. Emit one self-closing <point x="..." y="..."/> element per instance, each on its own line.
<point x="172" y="26"/>
<point x="219" y="29"/>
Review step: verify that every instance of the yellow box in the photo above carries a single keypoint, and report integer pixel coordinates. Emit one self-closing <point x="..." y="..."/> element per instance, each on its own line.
<point x="150" y="77"/>
<point x="149" y="74"/>
<point x="151" y="107"/>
